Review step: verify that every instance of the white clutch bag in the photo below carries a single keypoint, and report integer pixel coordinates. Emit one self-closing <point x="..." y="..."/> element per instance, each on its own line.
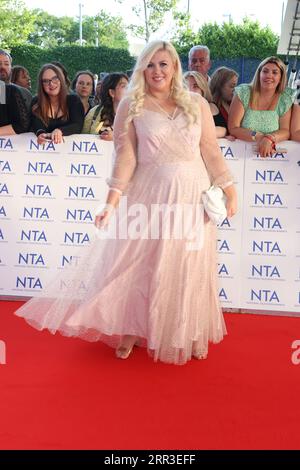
<point x="214" y="202"/>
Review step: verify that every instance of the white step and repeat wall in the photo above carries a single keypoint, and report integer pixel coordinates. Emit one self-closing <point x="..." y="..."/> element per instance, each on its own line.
<point x="48" y="196"/>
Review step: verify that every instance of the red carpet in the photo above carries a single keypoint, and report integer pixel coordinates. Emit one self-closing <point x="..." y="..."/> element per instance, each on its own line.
<point x="62" y="393"/>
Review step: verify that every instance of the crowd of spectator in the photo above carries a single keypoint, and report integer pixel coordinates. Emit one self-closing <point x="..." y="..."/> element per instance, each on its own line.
<point x="264" y="111"/>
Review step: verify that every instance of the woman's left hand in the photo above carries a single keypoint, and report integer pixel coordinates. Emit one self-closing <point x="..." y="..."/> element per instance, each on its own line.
<point x="57" y="136"/>
<point x="231" y="206"/>
<point x="231" y="200"/>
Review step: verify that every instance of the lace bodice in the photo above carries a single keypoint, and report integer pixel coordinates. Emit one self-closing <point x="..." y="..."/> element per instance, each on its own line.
<point x="152" y="138"/>
<point x="162" y="140"/>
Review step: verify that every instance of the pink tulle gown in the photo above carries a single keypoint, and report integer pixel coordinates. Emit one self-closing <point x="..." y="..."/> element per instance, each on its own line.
<point x="155" y="289"/>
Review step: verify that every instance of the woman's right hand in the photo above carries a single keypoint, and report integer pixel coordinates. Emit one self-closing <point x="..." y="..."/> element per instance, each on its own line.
<point x="43" y="138"/>
<point x="102" y="219"/>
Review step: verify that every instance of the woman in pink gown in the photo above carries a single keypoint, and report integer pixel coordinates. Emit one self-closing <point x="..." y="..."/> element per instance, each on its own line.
<point x="141" y="286"/>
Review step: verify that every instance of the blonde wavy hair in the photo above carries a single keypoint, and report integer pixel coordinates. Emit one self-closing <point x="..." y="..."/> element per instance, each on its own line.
<point x="138" y="87"/>
<point x="201" y="83"/>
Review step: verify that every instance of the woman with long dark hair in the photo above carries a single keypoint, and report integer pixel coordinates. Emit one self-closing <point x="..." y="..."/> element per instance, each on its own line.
<point x="64" y="72"/>
<point x="55" y="113"/>
<point x="100" y="119"/>
<point x="222" y="84"/>
<point x="20" y="76"/>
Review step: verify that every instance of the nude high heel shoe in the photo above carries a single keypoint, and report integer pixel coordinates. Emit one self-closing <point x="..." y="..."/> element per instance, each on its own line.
<point x="126" y="346"/>
<point x="199" y="353"/>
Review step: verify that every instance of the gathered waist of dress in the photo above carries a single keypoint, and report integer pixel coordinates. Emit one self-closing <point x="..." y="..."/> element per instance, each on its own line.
<point x="195" y="163"/>
<point x="168" y="170"/>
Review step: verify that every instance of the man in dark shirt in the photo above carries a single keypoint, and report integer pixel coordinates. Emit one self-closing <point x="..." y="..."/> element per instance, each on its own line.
<point x="5" y="75"/>
<point x="14" y="112"/>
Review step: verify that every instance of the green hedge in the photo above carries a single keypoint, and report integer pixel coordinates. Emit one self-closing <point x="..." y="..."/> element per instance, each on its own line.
<point x="74" y="58"/>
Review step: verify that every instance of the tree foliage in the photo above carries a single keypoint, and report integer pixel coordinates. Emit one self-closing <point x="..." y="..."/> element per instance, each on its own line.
<point x="230" y="40"/>
<point x="16" y="23"/>
<point x="50" y="30"/>
<point x="182" y="35"/>
<point x="108" y="30"/>
<point x="19" y="25"/>
<point x="102" y="29"/>
<point x="151" y="14"/>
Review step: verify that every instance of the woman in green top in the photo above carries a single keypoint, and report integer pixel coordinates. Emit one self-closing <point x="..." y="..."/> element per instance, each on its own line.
<point x="261" y="111"/>
<point x="100" y="119"/>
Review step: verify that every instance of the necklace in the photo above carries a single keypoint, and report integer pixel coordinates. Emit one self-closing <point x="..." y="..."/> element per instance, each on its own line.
<point x="170" y="116"/>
